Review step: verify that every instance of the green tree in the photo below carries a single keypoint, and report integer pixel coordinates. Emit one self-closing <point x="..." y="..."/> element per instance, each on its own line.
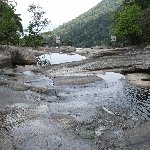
<point x="142" y="3"/>
<point x="10" y="24"/>
<point x="145" y="22"/>
<point x="127" y="24"/>
<point x="36" y="25"/>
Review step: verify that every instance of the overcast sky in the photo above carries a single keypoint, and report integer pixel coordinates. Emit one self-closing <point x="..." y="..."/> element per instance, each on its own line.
<point x="58" y="11"/>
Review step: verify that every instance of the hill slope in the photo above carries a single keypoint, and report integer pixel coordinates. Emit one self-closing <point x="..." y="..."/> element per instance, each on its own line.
<point x="89" y="28"/>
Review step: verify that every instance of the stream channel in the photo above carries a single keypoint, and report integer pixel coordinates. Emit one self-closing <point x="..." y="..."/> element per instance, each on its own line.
<point x="87" y="116"/>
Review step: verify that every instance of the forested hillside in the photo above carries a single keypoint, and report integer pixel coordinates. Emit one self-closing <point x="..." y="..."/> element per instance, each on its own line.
<point x="88" y="29"/>
<point x="129" y="20"/>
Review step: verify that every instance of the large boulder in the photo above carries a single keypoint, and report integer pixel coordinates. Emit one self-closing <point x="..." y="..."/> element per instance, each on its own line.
<point x="5" y="60"/>
<point x="17" y="55"/>
<point x="5" y="57"/>
<point x="22" y="56"/>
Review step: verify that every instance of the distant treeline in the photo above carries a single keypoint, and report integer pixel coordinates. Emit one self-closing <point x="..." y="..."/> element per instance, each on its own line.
<point x="88" y="29"/>
<point x="129" y="20"/>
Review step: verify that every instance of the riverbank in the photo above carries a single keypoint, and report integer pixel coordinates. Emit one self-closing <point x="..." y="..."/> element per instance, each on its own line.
<point x="122" y="60"/>
<point x="88" y="104"/>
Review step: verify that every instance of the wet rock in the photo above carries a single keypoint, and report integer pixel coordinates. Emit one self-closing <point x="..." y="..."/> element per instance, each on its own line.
<point x="75" y="80"/>
<point x="126" y="60"/>
<point x="101" y="112"/>
<point x="138" y="137"/>
<point x="11" y="97"/>
<point x="86" y="132"/>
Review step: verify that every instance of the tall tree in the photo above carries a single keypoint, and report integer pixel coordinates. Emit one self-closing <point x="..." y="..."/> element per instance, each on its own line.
<point x="127" y="24"/>
<point x="10" y="24"/>
<point x="37" y="24"/>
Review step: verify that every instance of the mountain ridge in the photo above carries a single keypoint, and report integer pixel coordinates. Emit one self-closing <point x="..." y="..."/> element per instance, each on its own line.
<point x="78" y="31"/>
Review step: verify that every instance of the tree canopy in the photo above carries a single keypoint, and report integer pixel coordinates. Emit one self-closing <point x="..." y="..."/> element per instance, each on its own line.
<point x="131" y="22"/>
<point x="127" y="23"/>
<point x="142" y="3"/>
<point x="145" y="22"/>
<point x="10" y="24"/>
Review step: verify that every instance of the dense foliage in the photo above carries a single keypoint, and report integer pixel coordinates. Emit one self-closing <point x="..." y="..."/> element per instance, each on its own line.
<point x="131" y="23"/>
<point x="145" y="21"/>
<point x="88" y="29"/>
<point x="11" y="30"/>
<point x="142" y="3"/>
<point x="10" y="24"/>
<point x="127" y="23"/>
<point x="129" y="20"/>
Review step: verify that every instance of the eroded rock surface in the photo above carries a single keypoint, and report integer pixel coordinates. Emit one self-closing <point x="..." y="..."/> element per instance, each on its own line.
<point x="79" y="105"/>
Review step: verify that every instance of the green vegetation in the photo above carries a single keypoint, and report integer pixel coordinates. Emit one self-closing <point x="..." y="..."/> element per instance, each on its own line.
<point x="11" y="30"/>
<point x="127" y="23"/>
<point x="129" y="20"/>
<point x="88" y="29"/>
<point x="144" y="4"/>
<point x="145" y="21"/>
<point x="36" y="25"/>
<point x="131" y="23"/>
<point x="10" y="24"/>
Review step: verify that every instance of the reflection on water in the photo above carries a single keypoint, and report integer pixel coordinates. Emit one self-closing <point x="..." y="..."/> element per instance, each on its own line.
<point x="140" y="99"/>
<point x="138" y="96"/>
<point x="29" y="73"/>
<point x="57" y="58"/>
<point x="111" y="76"/>
<point x="113" y="94"/>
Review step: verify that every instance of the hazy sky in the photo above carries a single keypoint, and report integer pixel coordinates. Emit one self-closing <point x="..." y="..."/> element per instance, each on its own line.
<point x="58" y="11"/>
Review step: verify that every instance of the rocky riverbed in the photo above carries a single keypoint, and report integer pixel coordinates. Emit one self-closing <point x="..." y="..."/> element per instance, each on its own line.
<point x="102" y="102"/>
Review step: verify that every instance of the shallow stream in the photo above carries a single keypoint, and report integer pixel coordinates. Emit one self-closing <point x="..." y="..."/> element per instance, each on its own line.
<point x="76" y="115"/>
<point x="113" y="93"/>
